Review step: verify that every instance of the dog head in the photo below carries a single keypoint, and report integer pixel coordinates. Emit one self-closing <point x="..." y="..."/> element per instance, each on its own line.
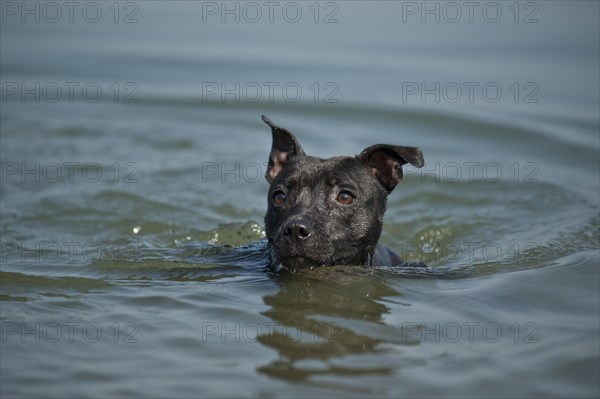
<point x="328" y="211"/>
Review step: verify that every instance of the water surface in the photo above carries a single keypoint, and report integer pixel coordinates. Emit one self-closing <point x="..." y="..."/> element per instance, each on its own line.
<point x="132" y="225"/>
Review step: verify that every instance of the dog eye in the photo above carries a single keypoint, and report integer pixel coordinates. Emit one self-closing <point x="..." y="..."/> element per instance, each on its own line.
<point x="345" y="197"/>
<point x="279" y="197"/>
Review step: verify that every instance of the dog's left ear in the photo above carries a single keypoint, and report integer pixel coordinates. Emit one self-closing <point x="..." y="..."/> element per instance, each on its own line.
<point x="385" y="162"/>
<point x="285" y="147"/>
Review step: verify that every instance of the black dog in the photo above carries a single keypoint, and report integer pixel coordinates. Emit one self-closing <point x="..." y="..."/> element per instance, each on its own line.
<point x="330" y="211"/>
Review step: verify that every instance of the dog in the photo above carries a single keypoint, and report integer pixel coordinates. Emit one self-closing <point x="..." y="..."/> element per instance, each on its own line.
<point x="326" y="212"/>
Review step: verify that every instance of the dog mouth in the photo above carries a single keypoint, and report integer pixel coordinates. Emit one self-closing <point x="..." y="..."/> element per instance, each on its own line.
<point x="291" y="257"/>
<point x="294" y="263"/>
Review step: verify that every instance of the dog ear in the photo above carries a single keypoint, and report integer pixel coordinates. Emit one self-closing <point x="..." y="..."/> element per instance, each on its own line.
<point x="285" y="147"/>
<point x="385" y="162"/>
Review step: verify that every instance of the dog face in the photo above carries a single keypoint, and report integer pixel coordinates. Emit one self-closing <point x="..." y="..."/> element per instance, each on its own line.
<point x="328" y="211"/>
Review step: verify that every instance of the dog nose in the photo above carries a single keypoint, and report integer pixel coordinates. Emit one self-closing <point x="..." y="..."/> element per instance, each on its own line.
<point x="297" y="229"/>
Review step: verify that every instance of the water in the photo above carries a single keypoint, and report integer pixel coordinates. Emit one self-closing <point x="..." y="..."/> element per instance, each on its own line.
<point x="131" y="226"/>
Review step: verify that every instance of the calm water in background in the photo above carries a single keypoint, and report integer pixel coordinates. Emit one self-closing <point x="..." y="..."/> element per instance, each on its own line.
<point x="118" y="216"/>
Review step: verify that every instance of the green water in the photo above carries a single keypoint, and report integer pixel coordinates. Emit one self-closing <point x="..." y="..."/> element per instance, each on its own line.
<point x="131" y="262"/>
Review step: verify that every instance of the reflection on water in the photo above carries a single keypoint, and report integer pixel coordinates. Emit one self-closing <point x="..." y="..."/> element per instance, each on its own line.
<point x="308" y="304"/>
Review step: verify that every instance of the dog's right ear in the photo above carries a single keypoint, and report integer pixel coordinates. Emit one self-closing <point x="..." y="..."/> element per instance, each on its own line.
<point x="285" y="147"/>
